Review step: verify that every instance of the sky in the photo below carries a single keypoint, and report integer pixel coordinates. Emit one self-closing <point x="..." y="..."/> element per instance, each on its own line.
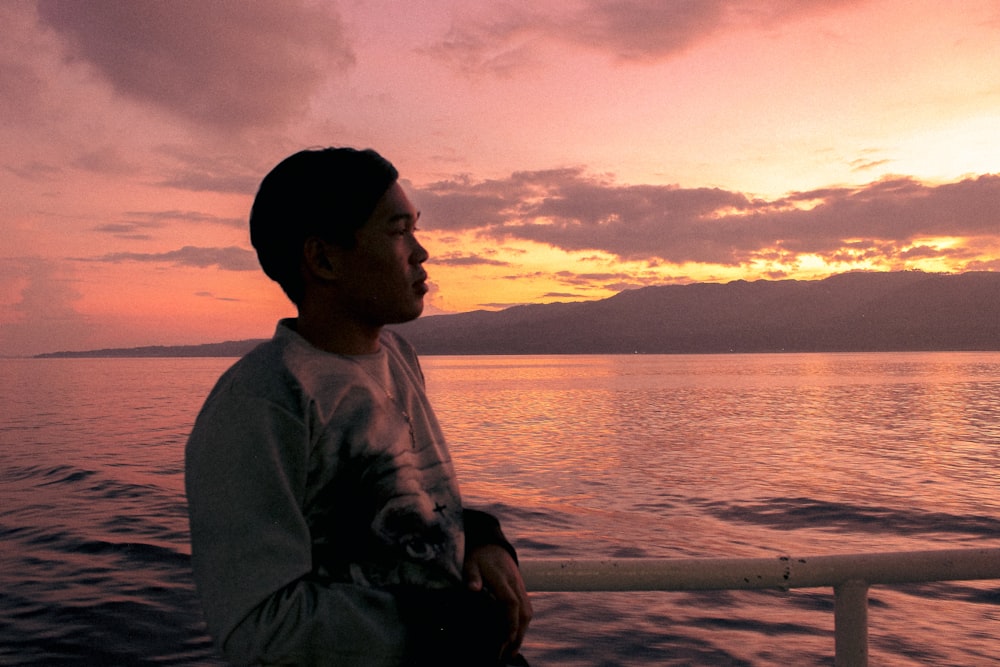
<point x="558" y="150"/>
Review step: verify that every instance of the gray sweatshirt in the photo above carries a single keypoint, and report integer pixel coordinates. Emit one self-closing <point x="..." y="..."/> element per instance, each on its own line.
<point x="317" y="484"/>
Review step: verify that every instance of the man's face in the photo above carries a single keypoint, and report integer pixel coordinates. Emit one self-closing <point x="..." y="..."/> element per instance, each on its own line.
<point x="384" y="281"/>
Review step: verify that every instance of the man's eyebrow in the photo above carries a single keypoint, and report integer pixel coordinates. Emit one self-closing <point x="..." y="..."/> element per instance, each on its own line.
<point x="405" y="216"/>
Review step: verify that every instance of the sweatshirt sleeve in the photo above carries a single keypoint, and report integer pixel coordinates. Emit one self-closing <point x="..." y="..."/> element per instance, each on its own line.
<point x="246" y="472"/>
<point x="482" y="529"/>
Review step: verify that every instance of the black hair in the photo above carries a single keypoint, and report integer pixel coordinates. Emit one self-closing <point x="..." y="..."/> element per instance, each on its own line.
<point x="328" y="193"/>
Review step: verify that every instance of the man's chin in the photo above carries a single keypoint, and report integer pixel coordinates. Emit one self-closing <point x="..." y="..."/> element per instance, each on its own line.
<point x="409" y="315"/>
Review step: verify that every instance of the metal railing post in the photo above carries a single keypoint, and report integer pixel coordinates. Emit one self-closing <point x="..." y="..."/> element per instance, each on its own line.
<point x="850" y="623"/>
<point x="849" y="575"/>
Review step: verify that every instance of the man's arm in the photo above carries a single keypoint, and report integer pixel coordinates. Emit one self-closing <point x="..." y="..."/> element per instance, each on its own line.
<point x="481" y="529"/>
<point x="491" y="565"/>
<point x="246" y="471"/>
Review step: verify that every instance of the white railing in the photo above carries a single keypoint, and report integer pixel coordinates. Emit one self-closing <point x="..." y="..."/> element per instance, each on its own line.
<point x="848" y="575"/>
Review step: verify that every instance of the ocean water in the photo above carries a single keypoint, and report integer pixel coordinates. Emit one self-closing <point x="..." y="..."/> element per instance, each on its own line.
<point x="581" y="457"/>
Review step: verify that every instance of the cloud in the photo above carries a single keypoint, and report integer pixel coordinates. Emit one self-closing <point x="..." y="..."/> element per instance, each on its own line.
<point x="567" y="209"/>
<point x="136" y="223"/>
<point x="625" y="30"/>
<point x="501" y="44"/>
<point x="587" y="279"/>
<point x="41" y="315"/>
<point x="22" y="82"/>
<point x="866" y="165"/>
<point x="212" y="182"/>
<point x="36" y="171"/>
<point x="211" y="295"/>
<point x="104" y="160"/>
<point x="501" y="305"/>
<point x="645" y="29"/>
<point x="159" y="218"/>
<point x="231" y="258"/>
<point x="29" y="86"/>
<point x="463" y="204"/>
<point x="464" y="259"/>
<point x="213" y="172"/>
<point x="901" y="210"/>
<point x="133" y="231"/>
<point x="573" y="211"/>
<point x="223" y="64"/>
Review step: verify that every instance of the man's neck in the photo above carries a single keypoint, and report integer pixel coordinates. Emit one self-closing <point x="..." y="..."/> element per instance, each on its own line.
<point x="337" y="335"/>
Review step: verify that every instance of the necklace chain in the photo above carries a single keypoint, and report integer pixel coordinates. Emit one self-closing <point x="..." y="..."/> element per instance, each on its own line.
<point x="392" y="399"/>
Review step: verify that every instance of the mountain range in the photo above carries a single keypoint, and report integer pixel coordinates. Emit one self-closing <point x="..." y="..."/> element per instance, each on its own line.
<point x="860" y="311"/>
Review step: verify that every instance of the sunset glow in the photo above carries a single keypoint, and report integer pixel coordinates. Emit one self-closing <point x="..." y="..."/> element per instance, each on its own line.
<point x="558" y="151"/>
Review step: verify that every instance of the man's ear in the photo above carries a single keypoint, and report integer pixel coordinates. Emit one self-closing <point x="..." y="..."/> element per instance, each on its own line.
<point x="320" y="259"/>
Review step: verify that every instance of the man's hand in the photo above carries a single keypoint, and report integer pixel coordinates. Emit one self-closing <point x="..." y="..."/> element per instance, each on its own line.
<point x="492" y="569"/>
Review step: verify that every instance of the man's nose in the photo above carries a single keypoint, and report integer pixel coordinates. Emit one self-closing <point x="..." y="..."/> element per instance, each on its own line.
<point x="419" y="254"/>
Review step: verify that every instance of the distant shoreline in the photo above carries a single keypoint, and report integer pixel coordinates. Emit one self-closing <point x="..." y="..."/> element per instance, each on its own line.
<point x="908" y="311"/>
<point x="137" y="353"/>
<point x="225" y="349"/>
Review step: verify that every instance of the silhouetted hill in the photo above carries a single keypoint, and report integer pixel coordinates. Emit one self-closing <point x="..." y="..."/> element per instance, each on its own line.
<point x="233" y="348"/>
<point x="849" y="312"/>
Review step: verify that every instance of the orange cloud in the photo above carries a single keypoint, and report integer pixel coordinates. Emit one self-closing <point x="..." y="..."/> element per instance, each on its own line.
<point x="572" y="211"/>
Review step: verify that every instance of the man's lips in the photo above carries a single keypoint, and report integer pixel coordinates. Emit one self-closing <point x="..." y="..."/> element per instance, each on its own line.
<point x="420" y="285"/>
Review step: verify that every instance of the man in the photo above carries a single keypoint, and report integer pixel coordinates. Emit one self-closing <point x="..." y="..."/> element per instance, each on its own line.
<point x="326" y="522"/>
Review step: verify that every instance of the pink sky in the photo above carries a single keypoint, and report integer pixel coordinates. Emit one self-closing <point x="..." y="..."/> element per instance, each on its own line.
<point x="558" y="150"/>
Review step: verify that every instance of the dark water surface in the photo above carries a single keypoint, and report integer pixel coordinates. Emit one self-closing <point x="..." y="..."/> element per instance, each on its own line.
<point x="582" y="457"/>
